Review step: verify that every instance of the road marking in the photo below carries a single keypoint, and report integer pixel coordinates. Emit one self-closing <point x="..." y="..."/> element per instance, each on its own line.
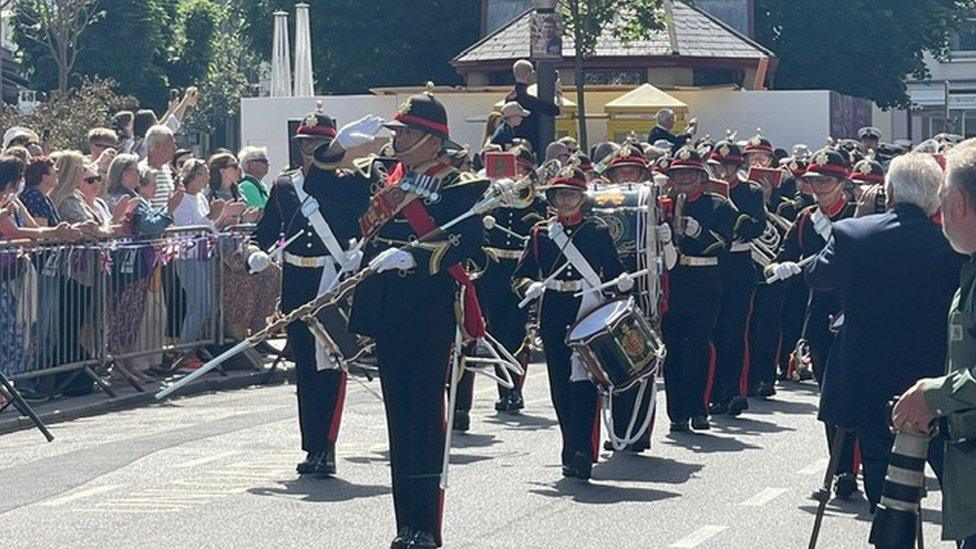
<point x="79" y="495"/>
<point x="817" y="466"/>
<point x="764" y="497"/>
<point x="207" y="459"/>
<point x="699" y="536"/>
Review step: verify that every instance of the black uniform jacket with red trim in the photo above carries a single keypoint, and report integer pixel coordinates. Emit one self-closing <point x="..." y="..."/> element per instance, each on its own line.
<point x="423" y="298"/>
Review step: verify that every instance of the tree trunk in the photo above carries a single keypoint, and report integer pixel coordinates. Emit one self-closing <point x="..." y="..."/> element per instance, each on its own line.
<point x="579" y="77"/>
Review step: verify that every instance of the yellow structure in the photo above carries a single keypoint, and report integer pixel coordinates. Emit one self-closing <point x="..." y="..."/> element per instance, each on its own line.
<point x="634" y="112"/>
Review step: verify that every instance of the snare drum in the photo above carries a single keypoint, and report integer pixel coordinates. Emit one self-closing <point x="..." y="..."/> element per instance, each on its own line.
<point x="617" y="346"/>
<point x="330" y="326"/>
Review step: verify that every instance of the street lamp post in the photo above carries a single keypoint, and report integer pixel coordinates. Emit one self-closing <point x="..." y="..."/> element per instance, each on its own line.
<point x="546" y="84"/>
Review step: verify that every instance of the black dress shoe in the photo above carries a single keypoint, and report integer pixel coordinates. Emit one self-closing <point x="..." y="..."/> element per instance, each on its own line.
<point x="325" y="465"/>
<point x="766" y="389"/>
<point x="582" y="465"/>
<point x="639" y="446"/>
<point x="422" y="539"/>
<point x="718" y="408"/>
<point x="679" y="426"/>
<point x="462" y="421"/>
<point x="845" y="486"/>
<point x="306" y="466"/>
<point x="738" y="405"/>
<point x="568" y="471"/>
<point x="700" y="423"/>
<point x="402" y="540"/>
<point x="516" y="402"/>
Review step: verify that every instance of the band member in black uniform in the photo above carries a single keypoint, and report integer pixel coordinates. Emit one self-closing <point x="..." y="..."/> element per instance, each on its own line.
<point x="507" y="232"/>
<point x="321" y="392"/>
<point x="628" y="166"/>
<point x="758" y="152"/>
<point x="408" y="307"/>
<point x="779" y="307"/>
<point x="739" y="277"/>
<point x="826" y="176"/>
<point x="868" y="177"/>
<point x="702" y="232"/>
<point x="573" y="395"/>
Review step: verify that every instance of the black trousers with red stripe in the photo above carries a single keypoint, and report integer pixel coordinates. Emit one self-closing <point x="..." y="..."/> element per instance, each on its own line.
<point x="696" y="293"/>
<point x="575" y="401"/>
<point x="738" y="288"/>
<point x="321" y="394"/>
<point x="413" y="367"/>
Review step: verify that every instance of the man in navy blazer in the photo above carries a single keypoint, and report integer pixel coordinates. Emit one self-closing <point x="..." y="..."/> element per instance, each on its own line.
<point x="896" y="274"/>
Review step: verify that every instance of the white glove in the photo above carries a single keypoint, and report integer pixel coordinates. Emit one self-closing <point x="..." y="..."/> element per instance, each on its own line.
<point x="670" y="256"/>
<point x="692" y="227"/>
<point x="664" y="234"/>
<point x="821" y="224"/>
<point x="353" y="260"/>
<point x="257" y="262"/>
<point x="784" y="270"/>
<point x="535" y="291"/>
<point x="392" y="258"/>
<point x="360" y="132"/>
<point x="693" y="126"/>
<point x="625" y="283"/>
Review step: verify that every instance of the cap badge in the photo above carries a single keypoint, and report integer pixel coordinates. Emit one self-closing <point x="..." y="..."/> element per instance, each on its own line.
<point x="685" y="154"/>
<point x="756" y="141"/>
<point x="724" y="150"/>
<point x="405" y="107"/>
<point x="311" y="120"/>
<point x="864" y="168"/>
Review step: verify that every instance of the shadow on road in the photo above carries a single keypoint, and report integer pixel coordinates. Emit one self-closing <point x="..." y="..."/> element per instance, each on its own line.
<point x="746" y="426"/>
<point x="857" y="508"/>
<point x="473" y="440"/>
<point x="320" y="490"/>
<point x="708" y="444"/>
<point x="521" y="422"/>
<point x="623" y="466"/>
<point x="597" y="493"/>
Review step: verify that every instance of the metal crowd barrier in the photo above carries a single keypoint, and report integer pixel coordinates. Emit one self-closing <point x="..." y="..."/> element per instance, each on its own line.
<point x="76" y="310"/>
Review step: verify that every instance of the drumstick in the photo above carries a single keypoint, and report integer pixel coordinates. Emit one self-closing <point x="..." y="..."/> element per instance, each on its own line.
<point x="491" y="223"/>
<point x="277" y="250"/>
<point x="545" y="282"/>
<point x="605" y="285"/>
<point x="802" y="263"/>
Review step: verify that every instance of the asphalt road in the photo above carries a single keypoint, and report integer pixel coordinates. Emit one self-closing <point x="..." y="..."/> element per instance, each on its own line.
<point x="217" y="470"/>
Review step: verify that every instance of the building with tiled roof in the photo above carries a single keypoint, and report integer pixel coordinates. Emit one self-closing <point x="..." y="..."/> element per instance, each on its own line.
<point x="706" y="52"/>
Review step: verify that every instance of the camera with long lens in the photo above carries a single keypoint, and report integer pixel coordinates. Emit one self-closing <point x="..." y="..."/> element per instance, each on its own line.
<point x="896" y="522"/>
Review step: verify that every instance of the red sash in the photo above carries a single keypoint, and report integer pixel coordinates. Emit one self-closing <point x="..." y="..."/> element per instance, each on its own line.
<point x="422" y="224"/>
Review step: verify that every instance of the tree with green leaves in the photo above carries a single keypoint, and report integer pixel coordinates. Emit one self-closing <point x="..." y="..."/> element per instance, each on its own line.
<point x="587" y="20"/>
<point x="54" y="27"/>
<point x="66" y="117"/>
<point x="864" y="48"/>
<point x="358" y="45"/>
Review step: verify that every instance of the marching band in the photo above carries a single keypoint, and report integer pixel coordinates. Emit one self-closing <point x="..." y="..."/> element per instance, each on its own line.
<point x="645" y="262"/>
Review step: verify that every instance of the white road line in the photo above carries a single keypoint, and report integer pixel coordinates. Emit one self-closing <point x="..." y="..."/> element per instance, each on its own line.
<point x="764" y="497"/>
<point x="699" y="536"/>
<point x="816" y="467"/>
<point x="79" y="495"/>
<point x="207" y="459"/>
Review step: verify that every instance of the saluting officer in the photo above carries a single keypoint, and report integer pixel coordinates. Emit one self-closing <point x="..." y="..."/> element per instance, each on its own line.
<point x="826" y="177"/>
<point x="574" y="238"/>
<point x="703" y="231"/>
<point x="408" y="307"/>
<point x="308" y="264"/>
<point x="739" y="276"/>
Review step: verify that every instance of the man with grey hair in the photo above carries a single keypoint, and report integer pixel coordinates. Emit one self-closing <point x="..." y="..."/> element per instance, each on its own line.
<point x="950" y="400"/>
<point x="160" y="148"/>
<point x="662" y="131"/>
<point x="895" y="274"/>
<point x="254" y="163"/>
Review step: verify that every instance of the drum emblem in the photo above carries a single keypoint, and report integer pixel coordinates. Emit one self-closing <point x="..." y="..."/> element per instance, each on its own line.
<point x="632" y="342"/>
<point x="610" y="199"/>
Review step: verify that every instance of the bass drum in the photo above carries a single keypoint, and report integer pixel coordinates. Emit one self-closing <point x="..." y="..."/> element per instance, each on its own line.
<point x="631" y="212"/>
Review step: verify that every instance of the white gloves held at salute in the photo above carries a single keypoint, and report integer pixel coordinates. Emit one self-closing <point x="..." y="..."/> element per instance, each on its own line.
<point x="360" y="132"/>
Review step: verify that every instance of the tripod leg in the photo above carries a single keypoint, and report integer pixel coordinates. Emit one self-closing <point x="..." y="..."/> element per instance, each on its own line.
<point x="25" y="408"/>
<point x="823" y="494"/>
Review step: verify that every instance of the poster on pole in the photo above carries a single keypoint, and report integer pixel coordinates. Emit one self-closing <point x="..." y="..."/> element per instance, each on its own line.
<point x="546" y="36"/>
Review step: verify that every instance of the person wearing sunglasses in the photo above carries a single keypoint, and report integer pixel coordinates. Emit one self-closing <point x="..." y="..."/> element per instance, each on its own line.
<point x="254" y="165"/>
<point x="77" y="195"/>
